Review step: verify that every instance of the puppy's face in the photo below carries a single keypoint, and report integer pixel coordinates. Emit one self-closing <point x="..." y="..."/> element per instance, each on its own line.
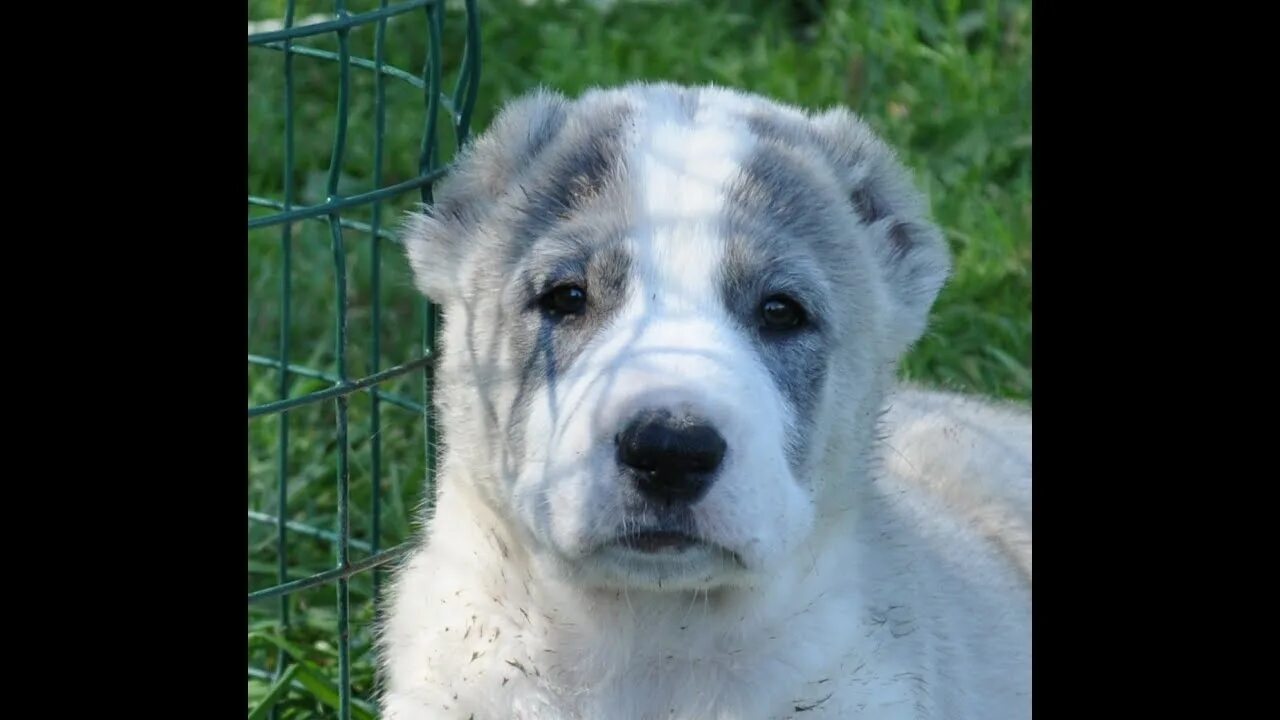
<point x="651" y="297"/>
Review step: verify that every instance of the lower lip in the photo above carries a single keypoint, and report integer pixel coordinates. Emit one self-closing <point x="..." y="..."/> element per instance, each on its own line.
<point x="658" y="542"/>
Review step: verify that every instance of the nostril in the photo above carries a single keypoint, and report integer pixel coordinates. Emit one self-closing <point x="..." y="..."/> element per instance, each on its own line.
<point x="705" y="448"/>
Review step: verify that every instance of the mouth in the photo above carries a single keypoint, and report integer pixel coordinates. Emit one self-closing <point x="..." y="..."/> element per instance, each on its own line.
<point x="654" y="542"/>
<point x="664" y="560"/>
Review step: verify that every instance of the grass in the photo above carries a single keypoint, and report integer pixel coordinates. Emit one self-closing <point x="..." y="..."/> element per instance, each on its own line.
<point x="947" y="82"/>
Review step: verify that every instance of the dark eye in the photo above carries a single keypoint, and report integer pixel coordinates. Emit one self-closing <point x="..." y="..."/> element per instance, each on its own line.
<point x="565" y="300"/>
<point x="781" y="313"/>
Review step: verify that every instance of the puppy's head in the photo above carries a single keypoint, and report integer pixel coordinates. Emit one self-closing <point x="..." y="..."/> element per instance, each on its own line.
<point x="668" y="316"/>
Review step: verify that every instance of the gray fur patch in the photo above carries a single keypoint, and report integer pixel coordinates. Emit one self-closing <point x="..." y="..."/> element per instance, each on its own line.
<point x="783" y="231"/>
<point x="791" y="225"/>
<point x="550" y="345"/>
<point x="565" y="223"/>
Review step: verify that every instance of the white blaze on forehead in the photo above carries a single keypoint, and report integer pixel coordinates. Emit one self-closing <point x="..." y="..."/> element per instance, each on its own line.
<point x="683" y="167"/>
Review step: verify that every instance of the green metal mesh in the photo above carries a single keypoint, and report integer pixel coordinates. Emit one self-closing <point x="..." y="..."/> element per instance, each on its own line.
<point x="292" y="41"/>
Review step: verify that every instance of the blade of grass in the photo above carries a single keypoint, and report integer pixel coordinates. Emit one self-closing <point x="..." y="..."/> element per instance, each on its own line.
<point x="278" y="690"/>
<point x="313" y="677"/>
<point x="326" y="692"/>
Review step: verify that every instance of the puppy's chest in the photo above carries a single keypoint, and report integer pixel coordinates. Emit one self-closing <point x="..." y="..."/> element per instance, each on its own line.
<point x="535" y="668"/>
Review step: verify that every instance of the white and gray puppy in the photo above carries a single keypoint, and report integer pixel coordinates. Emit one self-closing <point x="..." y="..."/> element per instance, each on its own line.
<point x="677" y="480"/>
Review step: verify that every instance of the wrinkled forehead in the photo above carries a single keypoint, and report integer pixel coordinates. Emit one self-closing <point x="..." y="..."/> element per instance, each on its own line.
<point x="689" y="185"/>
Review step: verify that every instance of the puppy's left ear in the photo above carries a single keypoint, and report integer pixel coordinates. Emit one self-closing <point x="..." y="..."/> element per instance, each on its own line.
<point x="909" y="248"/>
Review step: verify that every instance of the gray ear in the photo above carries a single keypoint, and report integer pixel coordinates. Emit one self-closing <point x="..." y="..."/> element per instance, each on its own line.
<point x="437" y="237"/>
<point x="910" y="249"/>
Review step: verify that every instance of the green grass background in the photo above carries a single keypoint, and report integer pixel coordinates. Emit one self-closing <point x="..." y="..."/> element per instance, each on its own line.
<point x="948" y="82"/>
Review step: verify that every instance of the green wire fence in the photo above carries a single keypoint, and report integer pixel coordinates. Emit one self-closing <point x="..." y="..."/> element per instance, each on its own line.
<point x="292" y="41"/>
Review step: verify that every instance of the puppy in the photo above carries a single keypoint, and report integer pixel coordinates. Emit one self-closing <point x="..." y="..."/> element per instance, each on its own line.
<point x="677" y="479"/>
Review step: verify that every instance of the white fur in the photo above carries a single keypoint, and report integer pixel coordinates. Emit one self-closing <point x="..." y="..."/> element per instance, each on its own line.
<point x="905" y="594"/>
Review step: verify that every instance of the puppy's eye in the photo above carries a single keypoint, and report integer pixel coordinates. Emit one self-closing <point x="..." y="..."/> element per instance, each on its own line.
<point x="564" y="300"/>
<point x="780" y="312"/>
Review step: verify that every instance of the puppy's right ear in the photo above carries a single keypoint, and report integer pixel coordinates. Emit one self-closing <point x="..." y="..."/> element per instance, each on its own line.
<point x="439" y="238"/>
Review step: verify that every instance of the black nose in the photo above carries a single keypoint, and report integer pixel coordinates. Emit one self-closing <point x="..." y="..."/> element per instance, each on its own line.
<point x="675" y="456"/>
